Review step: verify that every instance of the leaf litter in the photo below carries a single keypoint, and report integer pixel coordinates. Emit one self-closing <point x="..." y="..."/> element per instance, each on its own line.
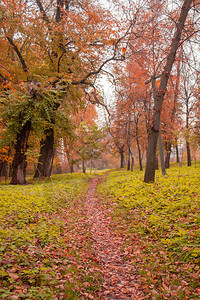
<point x="119" y="277"/>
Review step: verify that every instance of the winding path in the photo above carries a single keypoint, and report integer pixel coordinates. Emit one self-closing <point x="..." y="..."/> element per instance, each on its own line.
<point x="119" y="279"/>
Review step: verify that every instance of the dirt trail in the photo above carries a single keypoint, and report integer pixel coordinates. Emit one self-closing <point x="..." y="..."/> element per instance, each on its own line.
<point x="119" y="280"/>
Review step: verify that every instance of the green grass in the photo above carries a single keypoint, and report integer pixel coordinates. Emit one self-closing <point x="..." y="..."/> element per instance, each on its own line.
<point x="45" y="249"/>
<point x="161" y="224"/>
<point x="44" y="246"/>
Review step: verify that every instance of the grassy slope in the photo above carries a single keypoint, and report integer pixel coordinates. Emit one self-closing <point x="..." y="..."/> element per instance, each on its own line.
<point x="44" y="246"/>
<point x="161" y="225"/>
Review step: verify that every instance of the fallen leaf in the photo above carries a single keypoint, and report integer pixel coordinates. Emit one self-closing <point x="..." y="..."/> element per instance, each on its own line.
<point x="13" y="275"/>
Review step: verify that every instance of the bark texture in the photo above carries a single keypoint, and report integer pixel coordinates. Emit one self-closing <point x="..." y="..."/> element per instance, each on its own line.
<point x="151" y="157"/>
<point x="19" y="162"/>
<point x="46" y="157"/>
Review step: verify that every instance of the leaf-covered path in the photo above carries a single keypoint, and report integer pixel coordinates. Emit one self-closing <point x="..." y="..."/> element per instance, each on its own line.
<point x="119" y="280"/>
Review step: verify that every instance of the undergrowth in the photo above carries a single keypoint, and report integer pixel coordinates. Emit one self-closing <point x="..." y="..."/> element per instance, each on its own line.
<point x="160" y="223"/>
<point x="44" y="241"/>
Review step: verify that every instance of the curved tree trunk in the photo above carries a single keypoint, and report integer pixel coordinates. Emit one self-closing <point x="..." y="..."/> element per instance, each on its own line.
<point x="47" y="151"/>
<point x="160" y="93"/>
<point x="19" y="162"/>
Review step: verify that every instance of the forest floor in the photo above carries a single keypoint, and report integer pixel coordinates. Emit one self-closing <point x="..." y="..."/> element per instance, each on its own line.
<point x="103" y="236"/>
<point x="119" y="277"/>
<point x="159" y="225"/>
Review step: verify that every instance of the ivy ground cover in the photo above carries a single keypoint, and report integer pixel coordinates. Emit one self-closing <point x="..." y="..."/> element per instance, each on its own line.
<point x="44" y="241"/>
<point x="160" y="223"/>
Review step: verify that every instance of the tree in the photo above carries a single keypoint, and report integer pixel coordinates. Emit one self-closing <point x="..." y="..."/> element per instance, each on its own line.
<point x="18" y="130"/>
<point x="130" y="107"/>
<point x="160" y="93"/>
<point x="197" y="116"/>
<point x="170" y="113"/>
<point x="90" y="146"/>
<point x="47" y="60"/>
<point x="72" y="141"/>
<point x="189" y="101"/>
<point x="117" y="134"/>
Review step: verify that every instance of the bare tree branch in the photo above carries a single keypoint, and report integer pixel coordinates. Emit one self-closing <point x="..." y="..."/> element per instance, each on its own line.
<point x="44" y="15"/>
<point x="24" y="67"/>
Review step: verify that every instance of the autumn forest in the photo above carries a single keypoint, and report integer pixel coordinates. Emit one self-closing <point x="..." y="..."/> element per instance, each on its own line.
<point x="99" y="149"/>
<point x="53" y="55"/>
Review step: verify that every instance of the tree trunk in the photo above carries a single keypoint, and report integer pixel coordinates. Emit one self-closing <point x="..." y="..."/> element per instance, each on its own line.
<point x="129" y="143"/>
<point x="177" y="155"/>
<point x="19" y="161"/>
<point x="4" y="168"/>
<point x="162" y="161"/>
<point x="157" y="164"/>
<point x="168" y="146"/>
<point x="129" y="160"/>
<point x="138" y="145"/>
<point x="45" y="162"/>
<point x="83" y="166"/>
<point x="71" y="168"/>
<point x="139" y="153"/>
<point x="189" y="161"/>
<point x="160" y="93"/>
<point x="132" y="163"/>
<point x="151" y="157"/>
<point x="121" y="159"/>
<point x="177" y="152"/>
